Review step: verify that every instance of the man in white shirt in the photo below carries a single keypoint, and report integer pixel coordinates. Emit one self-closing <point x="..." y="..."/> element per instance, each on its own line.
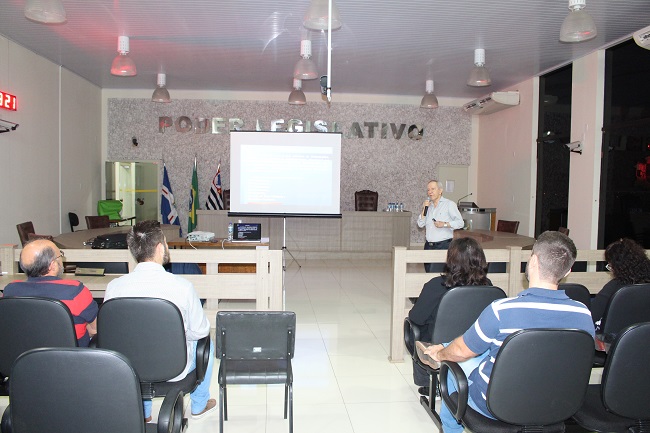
<point x="441" y="217"/>
<point x="149" y="279"/>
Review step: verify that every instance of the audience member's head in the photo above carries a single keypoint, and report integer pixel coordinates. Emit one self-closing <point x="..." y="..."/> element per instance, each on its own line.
<point x="628" y="261"/>
<point x="143" y="241"/>
<point x="41" y="258"/>
<point x="555" y="253"/>
<point x="466" y="264"/>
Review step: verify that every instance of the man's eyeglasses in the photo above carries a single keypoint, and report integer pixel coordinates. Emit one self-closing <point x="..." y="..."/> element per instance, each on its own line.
<point x="60" y="255"/>
<point x="608" y="267"/>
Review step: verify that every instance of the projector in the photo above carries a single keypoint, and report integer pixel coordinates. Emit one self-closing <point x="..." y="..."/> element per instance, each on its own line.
<point x="642" y="38"/>
<point x="197" y="236"/>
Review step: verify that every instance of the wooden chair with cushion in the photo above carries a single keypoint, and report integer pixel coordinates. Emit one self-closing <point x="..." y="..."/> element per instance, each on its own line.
<point x="26" y="233"/>
<point x="98" y="222"/>
<point x="366" y="200"/>
<point x="507" y="226"/>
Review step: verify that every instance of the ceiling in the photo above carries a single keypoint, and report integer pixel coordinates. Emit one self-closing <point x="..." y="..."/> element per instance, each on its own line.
<point x="385" y="47"/>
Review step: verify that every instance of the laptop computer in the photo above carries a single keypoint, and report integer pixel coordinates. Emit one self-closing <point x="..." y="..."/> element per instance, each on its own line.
<point x="247" y="232"/>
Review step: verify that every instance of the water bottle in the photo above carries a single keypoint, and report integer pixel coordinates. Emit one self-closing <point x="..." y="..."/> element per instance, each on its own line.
<point x="229" y="231"/>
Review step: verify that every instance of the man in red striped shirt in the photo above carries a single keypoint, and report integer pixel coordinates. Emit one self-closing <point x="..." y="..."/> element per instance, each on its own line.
<point x="42" y="262"/>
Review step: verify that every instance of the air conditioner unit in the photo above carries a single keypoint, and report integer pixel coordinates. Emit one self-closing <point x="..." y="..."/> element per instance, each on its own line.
<point x="642" y="38"/>
<point x="492" y="103"/>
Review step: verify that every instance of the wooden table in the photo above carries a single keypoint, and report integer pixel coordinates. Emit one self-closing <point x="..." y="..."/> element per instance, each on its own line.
<point x="496" y="240"/>
<point x="75" y="240"/>
<point x="221" y="244"/>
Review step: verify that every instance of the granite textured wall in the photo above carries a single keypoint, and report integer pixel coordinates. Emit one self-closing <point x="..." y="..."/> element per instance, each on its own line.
<point x="376" y="153"/>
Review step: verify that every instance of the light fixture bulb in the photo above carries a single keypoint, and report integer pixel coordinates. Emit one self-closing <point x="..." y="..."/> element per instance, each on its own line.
<point x="45" y="11"/>
<point x="578" y="26"/>
<point x="317" y="15"/>
<point x="123" y="65"/>
<point x="297" y="96"/>
<point x="161" y="94"/>
<point x="305" y="68"/>
<point x="429" y="99"/>
<point x="479" y="77"/>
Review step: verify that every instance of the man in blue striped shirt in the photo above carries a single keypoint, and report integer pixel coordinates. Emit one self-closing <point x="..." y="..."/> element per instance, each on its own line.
<point x="541" y="306"/>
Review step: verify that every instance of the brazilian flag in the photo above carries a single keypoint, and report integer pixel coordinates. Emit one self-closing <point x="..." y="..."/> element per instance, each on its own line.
<point x="194" y="201"/>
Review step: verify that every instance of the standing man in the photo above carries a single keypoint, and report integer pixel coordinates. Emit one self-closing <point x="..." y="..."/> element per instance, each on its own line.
<point x="541" y="306"/>
<point x="42" y="262"/>
<point x="440" y="216"/>
<point x="149" y="279"/>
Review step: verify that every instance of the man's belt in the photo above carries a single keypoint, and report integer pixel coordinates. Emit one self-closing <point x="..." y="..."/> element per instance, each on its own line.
<point x="433" y="244"/>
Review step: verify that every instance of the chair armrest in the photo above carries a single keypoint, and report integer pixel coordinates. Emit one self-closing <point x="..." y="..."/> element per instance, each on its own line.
<point x="411" y="335"/>
<point x="202" y="357"/>
<point x="458" y="407"/>
<point x="170" y="418"/>
<point x="6" y="421"/>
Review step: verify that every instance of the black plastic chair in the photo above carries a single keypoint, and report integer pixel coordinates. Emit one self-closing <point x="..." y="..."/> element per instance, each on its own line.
<point x="28" y="323"/>
<point x="577" y="292"/>
<point x="255" y="347"/>
<point x="81" y="389"/>
<point x="458" y="310"/>
<point x="621" y="402"/>
<point x="539" y="380"/>
<point x="627" y="306"/>
<point x="150" y="333"/>
<point x="74" y="220"/>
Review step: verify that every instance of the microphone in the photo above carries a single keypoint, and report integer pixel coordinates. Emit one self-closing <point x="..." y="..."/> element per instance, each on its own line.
<point x="465" y="196"/>
<point x="426" y="208"/>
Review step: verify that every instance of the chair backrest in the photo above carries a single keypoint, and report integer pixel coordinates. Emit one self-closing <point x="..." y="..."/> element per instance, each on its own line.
<point x="459" y="308"/>
<point x="110" y="208"/>
<point x="24" y="229"/>
<point x="30" y="322"/>
<point x="366" y="200"/>
<point x="148" y="331"/>
<point x="226" y="199"/>
<point x="98" y="222"/>
<point x="626" y="378"/>
<point x="507" y="226"/>
<point x="74" y="389"/>
<point x="627" y="306"/>
<point x="540" y="376"/>
<point x="255" y="334"/>
<point x="563" y="230"/>
<point x="74" y="220"/>
<point x="577" y="292"/>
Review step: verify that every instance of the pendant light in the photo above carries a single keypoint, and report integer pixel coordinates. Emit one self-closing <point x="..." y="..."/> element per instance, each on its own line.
<point x="161" y="94"/>
<point x="317" y="15"/>
<point x="429" y="100"/>
<point x="45" y="11"/>
<point x="305" y="67"/>
<point x="479" y="77"/>
<point x="297" y="97"/>
<point x="123" y="65"/>
<point x="578" y="26"/>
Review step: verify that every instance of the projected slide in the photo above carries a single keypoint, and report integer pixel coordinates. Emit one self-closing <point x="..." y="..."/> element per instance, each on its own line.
<point x="285" y="173"/>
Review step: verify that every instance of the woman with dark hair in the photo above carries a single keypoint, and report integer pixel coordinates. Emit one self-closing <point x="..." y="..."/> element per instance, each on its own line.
<point x="465" y="266"/>
<point x="628" y="263"/>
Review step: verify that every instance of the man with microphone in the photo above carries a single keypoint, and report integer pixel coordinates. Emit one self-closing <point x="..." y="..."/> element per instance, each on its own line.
<point x="441" y="217"/>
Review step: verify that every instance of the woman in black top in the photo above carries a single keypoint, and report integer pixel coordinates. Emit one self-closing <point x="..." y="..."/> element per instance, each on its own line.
<point x="465" y="266"/>
<point x="628" y="263"/>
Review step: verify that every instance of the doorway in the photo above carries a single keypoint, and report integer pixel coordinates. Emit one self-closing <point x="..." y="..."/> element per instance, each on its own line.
<point x="136" y="185"/>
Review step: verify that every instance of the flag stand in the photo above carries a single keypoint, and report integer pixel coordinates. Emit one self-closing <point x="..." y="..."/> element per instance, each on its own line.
<point x="284" y="246"/>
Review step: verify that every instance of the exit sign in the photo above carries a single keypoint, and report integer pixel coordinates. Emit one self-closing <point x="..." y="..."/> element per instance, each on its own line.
<point x="8" y="101"/>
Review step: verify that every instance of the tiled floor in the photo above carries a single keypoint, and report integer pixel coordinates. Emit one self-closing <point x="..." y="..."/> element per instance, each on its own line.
<point x="343" y="381"/>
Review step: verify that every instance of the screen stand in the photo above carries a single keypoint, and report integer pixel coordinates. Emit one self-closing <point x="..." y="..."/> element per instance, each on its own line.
<point x="284" y="247"/>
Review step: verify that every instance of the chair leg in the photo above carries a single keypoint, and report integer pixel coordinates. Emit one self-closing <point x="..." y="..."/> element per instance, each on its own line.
<point x="290" y="408"/>
<point x="286" y="392"/>
<point x="221" y="405"/>
<point x="225" y="403"/>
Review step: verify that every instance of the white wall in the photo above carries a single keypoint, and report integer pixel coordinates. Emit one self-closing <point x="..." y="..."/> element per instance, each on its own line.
<point x="506" y="177"/>
<point x="31" y="185"/>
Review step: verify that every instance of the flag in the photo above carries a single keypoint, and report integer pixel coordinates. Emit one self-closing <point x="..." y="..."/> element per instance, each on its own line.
<point x="215" y="200"/>
<point x="194" y="201"/>
<point x="167" y="203"/>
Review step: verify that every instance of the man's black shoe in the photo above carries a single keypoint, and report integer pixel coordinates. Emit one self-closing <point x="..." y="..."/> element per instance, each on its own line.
<point x="424" y="390"/>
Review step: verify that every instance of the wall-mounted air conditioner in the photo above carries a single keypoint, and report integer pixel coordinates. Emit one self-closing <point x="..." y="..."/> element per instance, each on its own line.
<point x="493" y="102"/>
<point x="642" y="38"/>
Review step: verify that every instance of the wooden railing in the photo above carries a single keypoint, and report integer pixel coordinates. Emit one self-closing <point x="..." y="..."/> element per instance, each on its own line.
<point x="408" y="279"/>
<point x="264" y="286"/>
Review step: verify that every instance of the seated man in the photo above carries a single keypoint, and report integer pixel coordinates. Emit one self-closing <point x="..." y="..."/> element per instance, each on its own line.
<point x="541" y="306"/>
<point x="149" y="279"/>
<point x="42" y="262"/>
